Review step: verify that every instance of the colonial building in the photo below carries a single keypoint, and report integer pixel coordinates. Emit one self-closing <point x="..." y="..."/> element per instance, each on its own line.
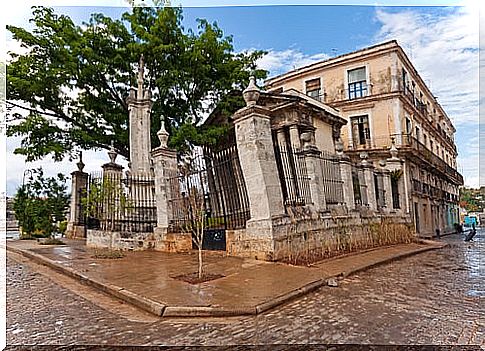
<point x="385" y="102"/>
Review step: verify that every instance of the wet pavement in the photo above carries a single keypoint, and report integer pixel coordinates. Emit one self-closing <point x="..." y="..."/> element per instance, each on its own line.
<point x="246" y="282"/>
<point x="432" y="298"/>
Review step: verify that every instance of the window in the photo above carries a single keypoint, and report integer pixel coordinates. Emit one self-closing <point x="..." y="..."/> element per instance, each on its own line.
<point x="417" y="133"/>
<point x="313" y="88"/>
<point x="431" y="145"/>
<point x="425" y="139"/>
<point x="357" y="83"/>
<point x="408" y="126"/>
<point x="360" y="130"/>
<point x="404" y="80"/>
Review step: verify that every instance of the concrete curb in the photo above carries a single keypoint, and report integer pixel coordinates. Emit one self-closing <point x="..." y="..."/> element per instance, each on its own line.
<point x="162" y="310"/>
<point x="116" y="291"/>
<point x="391" y="259"/>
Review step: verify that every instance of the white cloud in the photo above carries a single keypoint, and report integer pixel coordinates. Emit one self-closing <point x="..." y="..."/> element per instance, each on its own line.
<point x="278" y="62"/>
<point x="16" y="164"/>
<point x="444" y="49"/>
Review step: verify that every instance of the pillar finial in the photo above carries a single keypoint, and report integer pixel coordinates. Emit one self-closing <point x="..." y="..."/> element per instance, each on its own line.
<point x="112" y="153"/>
<point x="80" y="164"/>
<point x="163" y="134"/>
<point x="252" y="92"/>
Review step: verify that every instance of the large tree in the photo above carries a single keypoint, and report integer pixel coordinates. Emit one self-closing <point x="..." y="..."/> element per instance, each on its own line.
<point x="70" y="86"/>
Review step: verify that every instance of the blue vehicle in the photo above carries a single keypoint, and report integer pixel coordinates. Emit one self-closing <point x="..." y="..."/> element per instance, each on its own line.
<point x="469" y="221"/>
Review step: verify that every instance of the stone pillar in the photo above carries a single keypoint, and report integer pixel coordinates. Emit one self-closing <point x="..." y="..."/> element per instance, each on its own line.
<point x="139" y="106"/>
<point x="258" y="163"/>
<point x="368" y="170"/>
<point x="348" y="183"/>
<point x="113" y="191"/>
<point x="386" y="179"/>
<point x="260" y="172"/>
<point x="394" y="164"/>
<point x="76" y="227"/>
<point x="314" y="173"/>
<point x="166" y="189"/>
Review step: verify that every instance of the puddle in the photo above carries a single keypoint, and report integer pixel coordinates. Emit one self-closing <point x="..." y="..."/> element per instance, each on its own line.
<point x="476" y="293"/>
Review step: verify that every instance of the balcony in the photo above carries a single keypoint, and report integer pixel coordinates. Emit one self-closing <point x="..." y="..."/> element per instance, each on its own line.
<point x="407" y="142"/>
<point x="422" y="188"/>
<point x="422" y="108"/>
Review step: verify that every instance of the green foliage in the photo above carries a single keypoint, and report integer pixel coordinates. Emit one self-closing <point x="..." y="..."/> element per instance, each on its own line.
<point x="40" y="204"/>
<point x="473" y="200"/>
<point x="74" y="79"/>
<point x="106" y="194"/>
<point x="396" y="174"/>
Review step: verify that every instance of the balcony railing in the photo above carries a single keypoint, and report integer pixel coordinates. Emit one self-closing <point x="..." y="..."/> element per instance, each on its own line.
<point x="422" y="108"/>
<point x="436" y="193"/>
<point x="407" y="141"/>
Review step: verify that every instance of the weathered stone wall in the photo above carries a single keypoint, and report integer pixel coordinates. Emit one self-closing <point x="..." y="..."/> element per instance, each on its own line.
<point x="330" y="234"/>
<point x="120" y="240"/>
<point x="167" y="242"/>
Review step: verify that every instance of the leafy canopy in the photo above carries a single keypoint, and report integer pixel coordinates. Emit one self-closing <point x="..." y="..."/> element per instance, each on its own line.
<point x="74" y="80"/>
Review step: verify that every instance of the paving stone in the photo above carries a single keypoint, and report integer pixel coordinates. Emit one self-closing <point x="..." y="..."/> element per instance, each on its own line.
<point x="388" y="304"/>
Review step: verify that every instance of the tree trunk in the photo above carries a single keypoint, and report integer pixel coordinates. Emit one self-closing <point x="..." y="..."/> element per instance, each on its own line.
<point x="200" y="261"/>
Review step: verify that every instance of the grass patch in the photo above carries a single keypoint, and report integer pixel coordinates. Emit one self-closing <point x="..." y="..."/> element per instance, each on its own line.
<point x="107" y="254"/>
<point x="52" y="241"/>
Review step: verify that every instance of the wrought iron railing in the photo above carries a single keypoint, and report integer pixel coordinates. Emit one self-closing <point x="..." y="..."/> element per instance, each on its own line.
<point x="115" y="203"/>
<point x="332" y="178"/>
<point x="208" y="182"/>
<point x="292" y="171"/>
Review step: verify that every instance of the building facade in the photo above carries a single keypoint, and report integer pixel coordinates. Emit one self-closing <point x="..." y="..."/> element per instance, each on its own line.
<point x="386" y="102"/>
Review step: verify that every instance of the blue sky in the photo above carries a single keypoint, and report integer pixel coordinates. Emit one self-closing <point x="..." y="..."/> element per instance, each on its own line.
<point x="441" y="41"/>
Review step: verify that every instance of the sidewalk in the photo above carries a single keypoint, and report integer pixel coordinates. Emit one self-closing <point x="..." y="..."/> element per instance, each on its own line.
<point x="248" y="287"/>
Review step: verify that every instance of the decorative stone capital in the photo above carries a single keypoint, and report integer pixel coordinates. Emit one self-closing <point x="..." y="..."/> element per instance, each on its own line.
<point x="251" y="93"/>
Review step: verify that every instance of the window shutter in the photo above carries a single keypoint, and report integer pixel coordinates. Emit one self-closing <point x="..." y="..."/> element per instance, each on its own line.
<point x="357" y="75"/>
<point x="312" y="84"/>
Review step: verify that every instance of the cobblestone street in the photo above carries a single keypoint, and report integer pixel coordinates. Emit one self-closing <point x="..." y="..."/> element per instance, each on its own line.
<point x="432" y="298"/>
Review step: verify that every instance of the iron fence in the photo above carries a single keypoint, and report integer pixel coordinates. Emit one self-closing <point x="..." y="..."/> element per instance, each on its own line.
<point x="116" y="203"/>
<point x="332" y="178"/>
<point x="210" y="183"/>
<point x="359" y="186"/>
<point x="379" y="190"/>
<point x="293" y="175"/>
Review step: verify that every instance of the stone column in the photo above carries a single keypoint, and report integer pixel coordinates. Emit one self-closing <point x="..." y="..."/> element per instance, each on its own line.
<point x="386" y="179"/>
<point x="368" y="170"/>
<point x="314" y="172"/>
<point x="295" y="137"/>
<point x="348" y="183"/>
<point x="393" y="164"/>
<point x="76" y="225"/>
<point x="289" y="184"/>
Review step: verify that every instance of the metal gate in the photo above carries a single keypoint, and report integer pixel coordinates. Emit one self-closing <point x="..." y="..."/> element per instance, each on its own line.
<point x="208" y="183"/>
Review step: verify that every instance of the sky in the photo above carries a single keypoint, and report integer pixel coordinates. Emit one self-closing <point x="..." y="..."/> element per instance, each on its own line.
<point x="441" y="41"/>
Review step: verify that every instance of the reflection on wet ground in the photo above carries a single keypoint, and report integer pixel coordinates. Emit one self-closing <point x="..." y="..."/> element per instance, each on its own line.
<point x="431" y="298"/>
